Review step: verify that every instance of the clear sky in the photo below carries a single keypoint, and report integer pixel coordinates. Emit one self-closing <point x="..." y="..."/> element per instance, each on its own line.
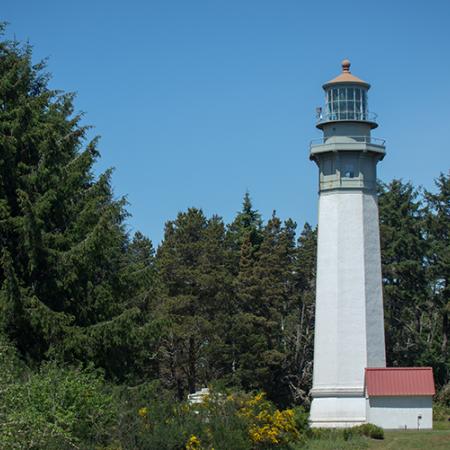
<point x="197" y="101"/>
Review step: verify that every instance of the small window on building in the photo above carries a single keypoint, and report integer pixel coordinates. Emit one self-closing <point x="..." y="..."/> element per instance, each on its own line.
<point x="349" y="171"/>
<point x="328" y="167"/>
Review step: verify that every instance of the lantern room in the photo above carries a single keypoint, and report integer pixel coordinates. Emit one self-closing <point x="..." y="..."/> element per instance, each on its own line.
<point x="346" y="100"/>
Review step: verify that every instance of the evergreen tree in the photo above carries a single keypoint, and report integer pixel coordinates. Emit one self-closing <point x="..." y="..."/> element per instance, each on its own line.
<point x="263" y="288"/>
<point x="65" y="283"/>
<point x="300" y="324"/>
<point x="407" y="306"/>
<point x="247" y="225"/>
<point x="438" y="234"/>
<point x="192" y="265"/>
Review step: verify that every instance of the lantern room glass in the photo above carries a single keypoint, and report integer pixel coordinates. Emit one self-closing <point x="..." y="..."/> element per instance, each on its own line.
<point x="346" y="103"/>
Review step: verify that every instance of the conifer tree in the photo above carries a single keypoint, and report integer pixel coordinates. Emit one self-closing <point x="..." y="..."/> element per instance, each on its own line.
<point x="247" y="225"/>
<point x="247" y="331"/>
<point x="65" y="284"/>
<point x="263" y="291"/>
<point x="403" y="252"/>
<point x="300" y="324"/>
<point x="192" y="265"/>
<point x="438" y="234"/>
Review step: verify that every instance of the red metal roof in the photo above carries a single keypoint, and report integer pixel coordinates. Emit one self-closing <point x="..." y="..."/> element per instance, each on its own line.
<point x="397" y="381"/>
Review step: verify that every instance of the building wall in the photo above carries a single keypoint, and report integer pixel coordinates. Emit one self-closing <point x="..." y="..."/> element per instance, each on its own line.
<point x="337" y="412"/>
<point x="400" y="412"/>
<point x="349" y="331"/>
<point x="376" y="355"/>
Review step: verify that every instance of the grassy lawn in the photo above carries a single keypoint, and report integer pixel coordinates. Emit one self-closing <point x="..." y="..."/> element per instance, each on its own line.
<point x="438" y="438"/>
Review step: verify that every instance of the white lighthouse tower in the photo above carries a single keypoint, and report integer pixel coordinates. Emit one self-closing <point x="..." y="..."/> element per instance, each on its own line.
<point x="349" y="330"/>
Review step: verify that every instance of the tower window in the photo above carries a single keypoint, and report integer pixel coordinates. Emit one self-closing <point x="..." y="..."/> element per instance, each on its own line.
<point x="346" y="103"/>
<point x="328" y="166"/>
<point x="349" y="171"/>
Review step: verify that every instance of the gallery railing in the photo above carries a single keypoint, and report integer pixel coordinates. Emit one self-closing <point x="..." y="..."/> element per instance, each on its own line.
<point x="349" y="140"/>
<point x="346" y="115"/>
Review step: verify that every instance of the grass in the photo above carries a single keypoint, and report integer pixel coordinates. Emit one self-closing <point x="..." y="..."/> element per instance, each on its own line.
<point x="436" y="439"/>
<point x="335" y="443"/>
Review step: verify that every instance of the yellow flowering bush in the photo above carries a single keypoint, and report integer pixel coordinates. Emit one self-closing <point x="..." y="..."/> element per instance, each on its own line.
<point x="268" y="427"/>
<point x="236" y="421"/>
<point x="275" y="428"/>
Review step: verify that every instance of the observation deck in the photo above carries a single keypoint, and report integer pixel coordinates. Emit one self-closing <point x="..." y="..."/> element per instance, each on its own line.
<point x="334" y="144"/>
<point x="346" y="116"/>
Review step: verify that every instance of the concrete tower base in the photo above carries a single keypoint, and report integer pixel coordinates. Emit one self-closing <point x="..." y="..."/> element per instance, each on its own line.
<point x="343" y="411"/>
<point x="349" y="330"/>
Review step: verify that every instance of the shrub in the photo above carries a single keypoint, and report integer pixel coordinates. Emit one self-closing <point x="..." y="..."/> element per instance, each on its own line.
<point x="220" y="422"/>
<point x="301" y="418"/>
<point x="443" y="396"/>
<point x="268" y="426"/>
<point x="12" y="368"/>
<point x="441" y="412"/>
<point x="369" y="430"/>
<point x="56" y="408"/>
<point x="153" y="418"/>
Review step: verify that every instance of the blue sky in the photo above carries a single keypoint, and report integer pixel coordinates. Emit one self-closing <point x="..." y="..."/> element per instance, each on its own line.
<point x="198" y="101"/>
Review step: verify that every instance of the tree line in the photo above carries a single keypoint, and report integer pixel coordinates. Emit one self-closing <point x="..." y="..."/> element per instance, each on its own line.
<point x="214" y="302"/>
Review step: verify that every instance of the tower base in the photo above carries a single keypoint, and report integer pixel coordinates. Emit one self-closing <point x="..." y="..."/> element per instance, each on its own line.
<point x="343" y="409"/>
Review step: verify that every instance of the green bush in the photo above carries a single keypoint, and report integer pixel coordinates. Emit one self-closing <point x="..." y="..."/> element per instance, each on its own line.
<point x="12" y="368"/>
<point x="441" y="412"/>
<point x="443" y="396"/>
<point x="152" y="418"/>
<point x="369" y="430"/>
<point x="301" y="418"/>
<point x="56" y="408"/>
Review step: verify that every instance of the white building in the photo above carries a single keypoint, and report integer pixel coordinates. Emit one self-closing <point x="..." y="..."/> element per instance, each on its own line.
<point x="198" y="397"/>
<point x="400" y="397"/>
<point x="349" y="329"/>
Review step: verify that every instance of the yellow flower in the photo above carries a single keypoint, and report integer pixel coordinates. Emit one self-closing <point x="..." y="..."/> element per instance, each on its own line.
<point x="258" y="398"/>
<point x="143" y="411"/>
<point x="193" y="443"/>
<point x="271" y="428"/>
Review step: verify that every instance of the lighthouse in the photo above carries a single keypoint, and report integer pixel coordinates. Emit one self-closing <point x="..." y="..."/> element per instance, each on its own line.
<point x="349" y="328"/>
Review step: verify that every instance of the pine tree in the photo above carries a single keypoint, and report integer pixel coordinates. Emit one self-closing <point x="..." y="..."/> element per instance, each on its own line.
<point x="65" y="283"/>
<point x="192" y="264"/>
<point x="263" y="289"/>
<point x="438" y="234"/>
<point x="247" y="330"/>
<point x="406" y="296"/>
<point x="247" y="225"/>
<point x="300" y="323"/>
